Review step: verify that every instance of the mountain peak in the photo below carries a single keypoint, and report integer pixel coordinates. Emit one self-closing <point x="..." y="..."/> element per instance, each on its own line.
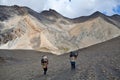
<point x="50" y="12"/>
<point x="98" y="14"/>
<point x="115" y="15"/>
<point x="53" y="11"/>
<point x="92" y="16"/>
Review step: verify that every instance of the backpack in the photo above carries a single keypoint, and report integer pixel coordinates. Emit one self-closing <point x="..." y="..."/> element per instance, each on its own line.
<point x="44" y="60"/>
<point x="73" y="54"/>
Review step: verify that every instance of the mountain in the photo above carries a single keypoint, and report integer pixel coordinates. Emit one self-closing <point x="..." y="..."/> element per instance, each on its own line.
<point x="116" y="17"/>
<point x="49" y="31"/>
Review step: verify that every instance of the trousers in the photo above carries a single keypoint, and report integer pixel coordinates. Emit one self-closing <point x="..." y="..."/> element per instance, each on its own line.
<point x="45" y="71"/>
<point x="72" y="65"/>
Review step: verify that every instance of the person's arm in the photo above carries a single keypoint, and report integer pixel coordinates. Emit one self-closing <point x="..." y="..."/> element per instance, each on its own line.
<point x="47" y="61"/>
<point x="41" y="61"/>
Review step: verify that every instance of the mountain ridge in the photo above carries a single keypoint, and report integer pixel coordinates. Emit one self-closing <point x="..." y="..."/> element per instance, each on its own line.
<point x="49" y="31"/>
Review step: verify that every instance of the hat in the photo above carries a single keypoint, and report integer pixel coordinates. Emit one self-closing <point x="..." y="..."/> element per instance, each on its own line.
<point x="45" y="57"/>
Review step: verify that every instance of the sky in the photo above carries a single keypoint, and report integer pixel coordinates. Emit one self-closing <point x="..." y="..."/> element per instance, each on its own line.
<point x="70" y="8"/>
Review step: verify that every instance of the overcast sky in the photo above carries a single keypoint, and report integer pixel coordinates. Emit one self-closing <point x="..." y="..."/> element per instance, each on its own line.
<point x="70" y="8"/>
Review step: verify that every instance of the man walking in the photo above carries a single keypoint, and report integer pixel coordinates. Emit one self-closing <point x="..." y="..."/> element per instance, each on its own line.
<point x="73" y="57"/>
<point x="44" y="63"/>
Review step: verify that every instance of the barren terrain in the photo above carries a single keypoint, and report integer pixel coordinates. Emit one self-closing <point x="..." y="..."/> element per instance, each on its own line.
<point x="98" y="62"/>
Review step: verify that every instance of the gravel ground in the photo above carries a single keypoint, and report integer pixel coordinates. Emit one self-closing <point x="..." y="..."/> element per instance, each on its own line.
<point x="98" y="62"/>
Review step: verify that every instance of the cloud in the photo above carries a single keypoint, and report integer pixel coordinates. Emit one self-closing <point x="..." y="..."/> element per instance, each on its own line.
<point x="36" y="5"/>
<point x="61" y="6"/>
<point x="71" y="9"/>
<point x="77" y="8"/>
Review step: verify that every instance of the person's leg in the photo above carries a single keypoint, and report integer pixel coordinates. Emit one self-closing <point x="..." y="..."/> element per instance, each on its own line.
<point x="45" y="71"/>
<point x="72" y="65"/>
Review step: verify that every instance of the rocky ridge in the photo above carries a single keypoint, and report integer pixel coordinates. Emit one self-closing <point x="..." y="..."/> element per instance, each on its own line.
<point x="49" y="31"/>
